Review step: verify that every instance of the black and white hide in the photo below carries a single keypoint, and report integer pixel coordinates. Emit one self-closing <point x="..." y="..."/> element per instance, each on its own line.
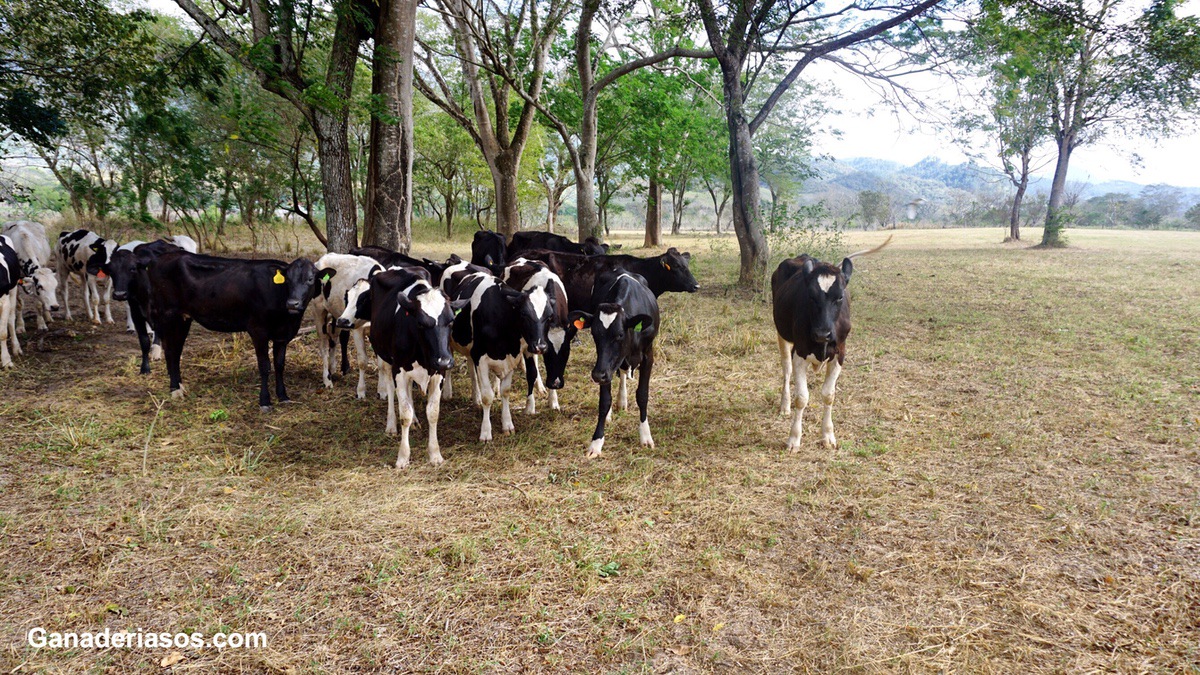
<point x="10" y="275"/>
<point x="525" y="275"/>
<point x="75" y="249"/>
<point x="336" y="273"/>
<point x="39" y="284"/>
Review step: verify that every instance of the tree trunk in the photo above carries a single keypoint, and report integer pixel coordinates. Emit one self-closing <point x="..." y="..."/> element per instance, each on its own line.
<point x="678" y="193"/>
<point x="752" y="245"/>
<point x="333" y="138"/>
<point x="389" y="214"/>
<point x="551" y="210"/>
<point x="508" y="216"/>
<point x="653" y="213"/>
<point x="1055" y="215"/>
<point x="1014" y="218"/>
<point x="449" y="198"/>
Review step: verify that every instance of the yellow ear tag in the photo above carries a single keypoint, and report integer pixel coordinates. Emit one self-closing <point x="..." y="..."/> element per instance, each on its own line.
<point x="279" y="277"/>
<point x="579" y="324"/>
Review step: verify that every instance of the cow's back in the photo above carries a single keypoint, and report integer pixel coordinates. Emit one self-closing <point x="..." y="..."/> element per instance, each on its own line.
<point x="29" y="240"/>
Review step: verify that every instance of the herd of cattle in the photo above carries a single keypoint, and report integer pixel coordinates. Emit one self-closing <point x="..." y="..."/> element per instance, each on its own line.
<point x="512" y="302"/>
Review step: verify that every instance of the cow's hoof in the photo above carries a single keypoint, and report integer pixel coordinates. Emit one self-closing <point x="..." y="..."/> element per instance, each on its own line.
<point x="6" y="364"/>
<point x="362" y="395"/>
<point x="793" y="446"/>
<point x="401" y="462"/>
<point x="156" y="353"/>
<point x="177" y="394"/>
<point x="593" y="453"/>
<point x="328" y="384"/>
<point x="508" y="430"/>
<point x="390" y="431"/>
<point x="20" y="331"/>
<point x="785" y="411"/>
<point x="266" y="408"/>
<point x="436" y="460"/>
<point x="486" y="438"/>
<point x="830" y="442"/>
<point x="130" y="331"/>
<point x="144" y="371"/>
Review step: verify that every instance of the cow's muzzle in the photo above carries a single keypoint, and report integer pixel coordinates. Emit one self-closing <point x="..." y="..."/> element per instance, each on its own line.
<point x="601" y="377"/>
<point x="344" y="323"/>
<point x="295" y="307"/>
<point x="444" y="363"/>
<point x="119" y="296"/>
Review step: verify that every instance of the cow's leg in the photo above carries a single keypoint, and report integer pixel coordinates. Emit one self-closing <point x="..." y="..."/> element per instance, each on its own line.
<point x="486" y="396"/>
<point x="597" y="444"/>
<point x="533" y="378"/>
<point x="506" y="423"/>
<point x="345" y="340"/>
<point x="65" y="284"/>
<point x="404" y="404"/>
<point x="174" y="334"/>
<point x="325" y="332"/>
<point x="261" y="353"/>
<point x="831" y="377"/>
<point x="129" y="327"/>
<point x="156" y="350"/>
<point x="643" y="398"/>
<point x="447" y="388"/>
<point x="383" y="387"/>
<point x="89" y="288"/>
<point x="433" y="409"/>
<point x="5" y="309"/>
<point x="554" y="400"/>
<point x="11" y="320"/>
<point x="785" y="365"/>
<point x="107" y="302"/>
<point x="18" y="319"/>
<point x="360" y="348"/>
<point x="476" y="390"/>
<point x="623" y="392"/>
<point x="280" y="349"/>
<point x="537" y="373"/>
<point x="143" y="335"/>
<point x="800" y="371"/>
<point x="385" y="371"/>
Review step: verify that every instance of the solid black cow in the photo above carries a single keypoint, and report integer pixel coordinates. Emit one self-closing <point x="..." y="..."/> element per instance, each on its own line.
<point x="122" y="267"/>
<point x="498" y="328"/>
<point x="265" y="298"/>
<point x="546" y="241"/>
<point x="623" y="327"/>
<point x="525" y="275"/>
<point x="812" y="319"/>
<point x="389" y="258"/>
<point x="488" y="249"/>
<point x="663" y="273"/>
<point x="410" y="331"/>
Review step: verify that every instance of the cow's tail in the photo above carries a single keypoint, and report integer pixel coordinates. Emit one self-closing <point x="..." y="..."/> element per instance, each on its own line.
<point x="869" y="251"/>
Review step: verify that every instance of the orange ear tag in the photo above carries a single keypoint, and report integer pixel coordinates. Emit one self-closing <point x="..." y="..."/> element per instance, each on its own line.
<point x="101" y="275"/>
<point x="579" y="324"/>
<point x="667" y="265"/>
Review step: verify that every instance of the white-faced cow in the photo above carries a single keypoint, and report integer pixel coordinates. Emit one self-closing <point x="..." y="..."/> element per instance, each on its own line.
<point x="265" y="298"/>
<point x="525" y="275"/>
<point x="548" y="241"/>
<point x="10" y="274"/>
<point x="410" y="331"/>
<point x="623" y="327"/>
<point x="75" y="248"/>
<point x="39" y="284"/>
<point x="336" y="273"/>
<point x="123" y="268"/>
<point x="812" y="319"/>
<point x="497" y="329"/>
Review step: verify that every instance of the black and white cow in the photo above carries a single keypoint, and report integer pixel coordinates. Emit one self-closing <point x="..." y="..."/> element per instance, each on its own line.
<point x="548" y="241"/>
<point x="525" y="275"/>
<point x="410" y="331"/>
<point x="337" y="272"/>
<point x="668" y="272"/>
<point x="488" y="249"/>
<point x="497" y="329"/>
<point x="75" y="248"/>
<point x="39" y="284"/>
<point x="265" y="298"/>
<point x="389" y="258"/>
<point x="123" y="268"/>
<point x="456" y="271"/>
<point x="10" y="275"/>
<point x="812" y="319"/>
<point x="623" y="327"/>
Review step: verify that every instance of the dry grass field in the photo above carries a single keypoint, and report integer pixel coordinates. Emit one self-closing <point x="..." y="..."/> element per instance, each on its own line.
<point x="1017" y="490"/>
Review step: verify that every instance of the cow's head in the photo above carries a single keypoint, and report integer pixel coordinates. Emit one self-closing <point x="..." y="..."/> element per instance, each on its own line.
<point x="300" y="283"/>
<point x="358" y="304"/>
<point x="826" y="288"/>
<point x="675" y="272"/>
<point x="488" y="249"/>
<point x="433" y="313"/>
<point x="609" y="327"/>
<point x="43" y="284"/>
<point x="534" y="311"/>
<point x="121" y="266"/>
<point x="592" y="246"/>
<point x="102" y="251"/>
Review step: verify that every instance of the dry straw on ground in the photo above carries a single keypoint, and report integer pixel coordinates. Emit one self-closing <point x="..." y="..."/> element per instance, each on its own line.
<point x="1016" y="491"/>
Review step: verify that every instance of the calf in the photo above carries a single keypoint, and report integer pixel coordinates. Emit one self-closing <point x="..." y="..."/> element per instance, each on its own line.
<point x="123" y="269"/>
<point x="547" y="241"/>
<point x="623" y="327"/>
<point x="500" y="326"/>
<point x="337" y="273"/>
<point x="265" y="298"/>
<point x="812" y="319"/>
<point x="39" y="283"/>
<point x="10" y="276"/>
<point x="75" y="248"/>
<point x="663" y="273"/>
<point x="525" y="275"/>
<point x="488" y="249"/>
<point x="410" y="331"/>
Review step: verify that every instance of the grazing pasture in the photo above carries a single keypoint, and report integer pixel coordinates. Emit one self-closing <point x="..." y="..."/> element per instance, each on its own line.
<point x="1017" y="489"/>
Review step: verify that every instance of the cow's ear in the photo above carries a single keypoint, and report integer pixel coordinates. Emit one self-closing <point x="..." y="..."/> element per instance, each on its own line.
<point x="454" y="259"/>
<point x="374" y="270"/>
<point x="406" y="302"/>
<point x="97" y="245"/>
<point x="639" y="322"/>
<point x="847" y="269"/>
<point x="326" y="274"/>
<point x="809" y="266"/>
<point x="457" y="306"/>
<point x="579" y="319"/>
<point x="687" y="257"/>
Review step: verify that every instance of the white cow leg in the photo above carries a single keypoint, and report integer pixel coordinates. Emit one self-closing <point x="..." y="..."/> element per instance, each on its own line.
<point x="800" y="370"/>
<point x="19" y="311"/>
<point x="89" y="288"/>
<point x="129" y="320"/>
<point x="447" y="388"/>
<point x="506" y="423"/>
<point x="486" y="396"/>
<point x="385" y="371"/>
<point x="5" y="359"/>
<point x="42" y="312"/>
<point x="538" y="385"/>
<point x="324" y="335"/>
<point x="827" y="391"/>
<point x="433" y="409"/>
<point x="404" y="403"/>
<point x="382" y="387"/>
<point x="360" y="350"/>
<point x="476" y="392"/>
<point x="12" y="333"/>
<point x="623" y="391"/>
<point x="785" y="368"/>
<point x="108" y="301"/>
<point x="554" y="400"/>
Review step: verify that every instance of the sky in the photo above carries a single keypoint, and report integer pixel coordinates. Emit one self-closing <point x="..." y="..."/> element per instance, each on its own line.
<point x="870" y="127"/>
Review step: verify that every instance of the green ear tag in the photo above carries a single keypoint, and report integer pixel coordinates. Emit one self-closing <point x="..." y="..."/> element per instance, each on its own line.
<point x="458" y="311"/>
<point x="278" y="278"/>
<point x="325" y="279"/>
<point x="637" y="327"/>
